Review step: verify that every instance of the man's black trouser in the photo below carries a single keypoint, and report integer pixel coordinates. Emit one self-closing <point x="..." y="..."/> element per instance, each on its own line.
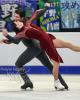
<point x="32" y="52"/>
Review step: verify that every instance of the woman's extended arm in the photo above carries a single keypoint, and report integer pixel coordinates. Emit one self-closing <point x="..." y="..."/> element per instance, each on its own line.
<point x="38" y="13"/>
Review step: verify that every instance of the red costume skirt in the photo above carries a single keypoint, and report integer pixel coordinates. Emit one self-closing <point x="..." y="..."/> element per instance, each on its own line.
<point x="46" y="42"/>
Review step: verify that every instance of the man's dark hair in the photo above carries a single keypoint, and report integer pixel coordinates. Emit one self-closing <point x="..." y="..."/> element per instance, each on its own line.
<point x="20" y="12"/>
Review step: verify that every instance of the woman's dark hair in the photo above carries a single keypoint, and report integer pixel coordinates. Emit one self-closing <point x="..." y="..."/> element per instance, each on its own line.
<point x="15" y="29"/>
<point x="20" y="12"/>
<point x="22" y="15"/>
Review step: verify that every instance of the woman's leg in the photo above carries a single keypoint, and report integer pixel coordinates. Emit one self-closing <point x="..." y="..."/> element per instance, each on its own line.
<point x="55" y="69"/>
<point x="64" y="44"/>
<point x="43" y="58"/>
<point x="57" y="84"/>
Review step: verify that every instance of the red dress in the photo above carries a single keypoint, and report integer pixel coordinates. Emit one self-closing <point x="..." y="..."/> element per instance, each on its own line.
<point x="46" y="40"/>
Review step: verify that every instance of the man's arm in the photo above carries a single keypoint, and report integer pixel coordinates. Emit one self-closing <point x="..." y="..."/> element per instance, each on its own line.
<point x="38" y="13"/>
<point x="13" y="39"/>
<point x="10" y="39"/>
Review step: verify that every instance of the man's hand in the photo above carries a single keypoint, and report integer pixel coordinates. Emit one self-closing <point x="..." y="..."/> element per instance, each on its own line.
<point x="5" y="32"/>
<point x="1" y="42"/>
<point x="6" y="41"/>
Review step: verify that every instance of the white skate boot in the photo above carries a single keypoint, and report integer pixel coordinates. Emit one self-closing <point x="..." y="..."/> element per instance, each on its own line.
<point x="58" y="86"/>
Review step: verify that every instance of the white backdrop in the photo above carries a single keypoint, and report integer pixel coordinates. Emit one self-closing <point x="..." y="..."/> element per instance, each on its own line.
<point x="10" y="53"/>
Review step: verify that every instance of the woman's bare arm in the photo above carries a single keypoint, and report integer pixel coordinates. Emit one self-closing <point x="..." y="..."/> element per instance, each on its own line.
<point x="38" y="13"/>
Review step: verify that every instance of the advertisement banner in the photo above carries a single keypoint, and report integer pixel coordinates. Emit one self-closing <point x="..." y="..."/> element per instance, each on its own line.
<point x="70" y="14"/>
<point x="7" y="10"/>
<point x="51" y="20"/>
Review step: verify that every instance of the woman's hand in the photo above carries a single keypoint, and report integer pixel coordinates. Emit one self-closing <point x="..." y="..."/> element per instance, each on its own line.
<point x="47" y="5"/>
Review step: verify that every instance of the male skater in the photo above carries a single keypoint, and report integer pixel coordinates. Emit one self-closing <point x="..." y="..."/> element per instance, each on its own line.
<point x="32" y="51"/>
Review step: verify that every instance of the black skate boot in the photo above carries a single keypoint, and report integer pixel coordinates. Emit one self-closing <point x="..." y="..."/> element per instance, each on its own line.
<point x="27" y="85"/>
<point x="63" y="82"/>
<point x="66" y="87"/>
<point x="26" y="79"/>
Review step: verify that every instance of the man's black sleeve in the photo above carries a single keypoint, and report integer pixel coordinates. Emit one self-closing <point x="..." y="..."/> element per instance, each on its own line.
<point x="13" y="39"/>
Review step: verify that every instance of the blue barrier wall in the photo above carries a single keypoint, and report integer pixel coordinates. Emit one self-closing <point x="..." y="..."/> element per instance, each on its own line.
<point x="40" y="70"/>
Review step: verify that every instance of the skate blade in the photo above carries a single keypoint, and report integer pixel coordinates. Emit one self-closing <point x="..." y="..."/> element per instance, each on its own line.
<point x="63" y="89"/>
